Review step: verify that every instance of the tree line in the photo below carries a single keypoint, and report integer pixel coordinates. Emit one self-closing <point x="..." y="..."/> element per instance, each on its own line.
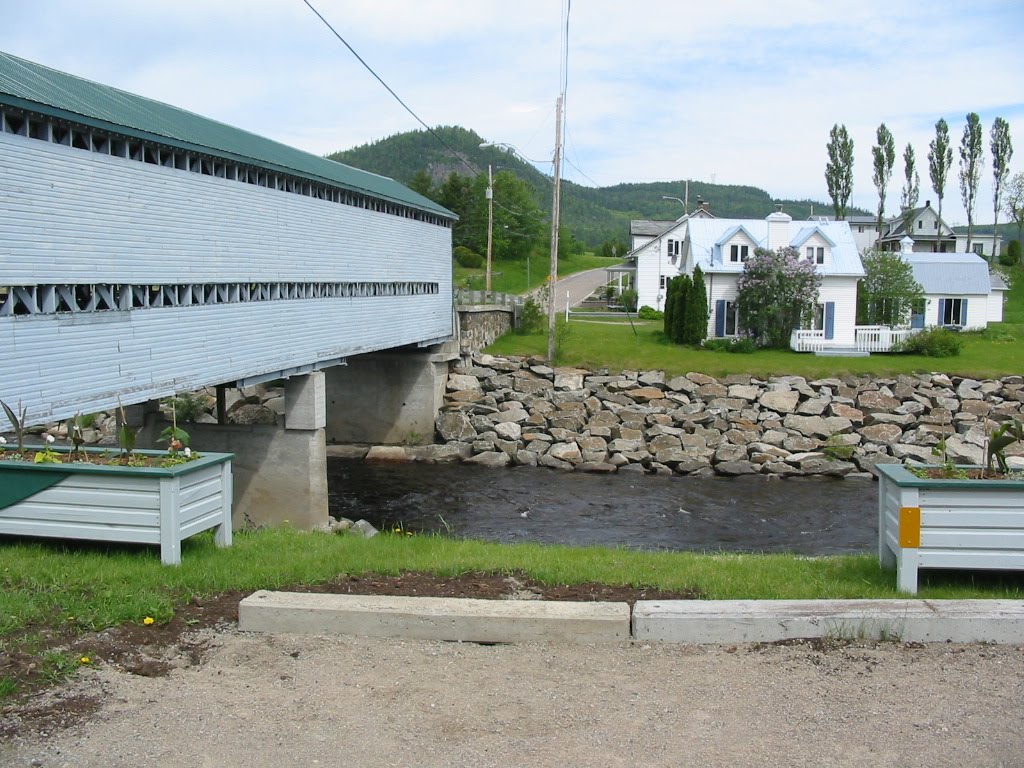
<point x="839" y="171"/>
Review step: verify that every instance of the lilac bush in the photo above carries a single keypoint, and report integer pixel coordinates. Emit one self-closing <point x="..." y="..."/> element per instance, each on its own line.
<point x="776" y="292"/>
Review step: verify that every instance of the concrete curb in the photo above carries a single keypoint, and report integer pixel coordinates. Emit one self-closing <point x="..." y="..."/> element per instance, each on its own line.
<point x="434" y="618"/>
<point x="670" y="621"/>
<point x="749" y="621"/>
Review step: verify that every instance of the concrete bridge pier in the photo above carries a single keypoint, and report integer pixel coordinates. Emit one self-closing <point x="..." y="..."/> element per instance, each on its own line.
<point x="280" y="474"/>
<point x="388" y="398"/>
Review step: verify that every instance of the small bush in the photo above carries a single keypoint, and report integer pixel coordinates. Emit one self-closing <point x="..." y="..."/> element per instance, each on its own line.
<point x="628" y="299"/>
<point x="531" y="318"/>
<point x="649" y="313"/>
<point x="464" y="257"/>
<point x="933" y="342"/>
<point x="741" y="345"/>
<point x="1012" y="254"/>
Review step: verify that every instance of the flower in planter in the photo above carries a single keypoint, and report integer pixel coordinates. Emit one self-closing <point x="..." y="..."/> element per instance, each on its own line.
<point x="48" y="456"/>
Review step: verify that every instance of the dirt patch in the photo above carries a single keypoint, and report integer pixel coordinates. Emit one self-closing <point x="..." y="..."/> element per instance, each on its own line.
<point x="157" y="649"/>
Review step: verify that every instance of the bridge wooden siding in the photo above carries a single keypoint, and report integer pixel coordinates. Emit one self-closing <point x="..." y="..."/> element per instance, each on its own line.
<point x="305" y="282"/>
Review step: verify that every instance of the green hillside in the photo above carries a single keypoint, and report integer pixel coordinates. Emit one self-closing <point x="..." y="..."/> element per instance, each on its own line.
<point x="593" y="214"/>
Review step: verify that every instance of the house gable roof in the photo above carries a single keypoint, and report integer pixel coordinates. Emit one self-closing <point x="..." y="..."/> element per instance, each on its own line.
<point x="36" y="88"/>
<point x="807" y="233"/>
<point x="950" y="274"/>
<point x="706" y="236"/>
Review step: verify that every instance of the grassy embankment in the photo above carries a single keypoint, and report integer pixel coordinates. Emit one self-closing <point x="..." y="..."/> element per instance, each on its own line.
<point x="511" y="276"/>
<point x="996" y="352"/>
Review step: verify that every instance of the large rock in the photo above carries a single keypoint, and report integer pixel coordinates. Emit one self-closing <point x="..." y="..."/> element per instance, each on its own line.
<point x="733" y="468"/>
<point x="817" y="426"/>
<point x="781" y="402"/>
<point x="569" y="452"/>
<point x="490" y="459"/>
<point x="458" y="382"/>
<point x="455" y="426"/>
<point x="873" y="401"/>
<point x="508" y="430"/>
<point x="882" y="433"/>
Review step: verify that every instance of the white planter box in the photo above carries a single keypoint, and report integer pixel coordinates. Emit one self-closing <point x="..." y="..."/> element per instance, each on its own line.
<point x="143" y="505"/>
<point x="969" y="524"/>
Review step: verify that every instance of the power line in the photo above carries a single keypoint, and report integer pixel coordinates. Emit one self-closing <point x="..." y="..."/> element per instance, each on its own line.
<point x="397" y="98"/>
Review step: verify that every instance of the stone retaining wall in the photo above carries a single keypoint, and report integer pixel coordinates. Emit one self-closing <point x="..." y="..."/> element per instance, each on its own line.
<point x="480" y="326"/>
<point x="503" y="411"/>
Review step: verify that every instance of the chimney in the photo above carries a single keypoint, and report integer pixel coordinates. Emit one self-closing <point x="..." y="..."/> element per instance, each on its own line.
<point x="778" y="229"/>
<point x="703" y="205"/>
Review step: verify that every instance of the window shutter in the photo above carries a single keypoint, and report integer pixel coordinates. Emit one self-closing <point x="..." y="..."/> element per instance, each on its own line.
<point x="720" y="318"/>
<point x="830" y="319"/>
<point x="963" y="312"/>
<point x="942" y="312"/>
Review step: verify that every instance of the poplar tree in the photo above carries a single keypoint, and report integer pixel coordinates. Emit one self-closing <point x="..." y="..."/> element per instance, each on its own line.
<point x="1002" y="151"/>
<point x="940" y="160"/>
<point x="696" y="322"/>
<point x="912" y="186"/>
<point x="670" y="304"/>
<point x="884" y="156"/>
<point x="681" y="309"/>
<point x="839" y="169"/>
<point x="972" y="150"/>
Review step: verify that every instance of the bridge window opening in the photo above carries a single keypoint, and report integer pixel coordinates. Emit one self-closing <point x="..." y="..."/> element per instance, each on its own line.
<point x="118" y="147"/>
<point x="15" y="124"/>
<point x="100" y="144"/>
<point x="150" y="155"/>
<point x="79" y="140"/>
<point x="38" y="129"/>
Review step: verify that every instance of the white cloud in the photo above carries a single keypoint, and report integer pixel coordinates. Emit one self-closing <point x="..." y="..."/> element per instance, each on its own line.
<point x="740" y="90"/>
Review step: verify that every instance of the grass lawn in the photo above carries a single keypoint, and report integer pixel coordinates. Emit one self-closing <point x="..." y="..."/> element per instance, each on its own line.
<point x="618" y="346"/>
<point x="511" y="276"/>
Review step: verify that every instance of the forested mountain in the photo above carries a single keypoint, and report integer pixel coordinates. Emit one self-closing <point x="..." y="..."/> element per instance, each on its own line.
<point x="592" y="215"/>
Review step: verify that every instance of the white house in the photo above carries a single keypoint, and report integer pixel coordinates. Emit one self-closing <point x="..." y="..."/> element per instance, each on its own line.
<point x="721" y="247"/>
<point x="959" y="292"/>
<point x="657" y="246"/>
<point x="929" y="234"/>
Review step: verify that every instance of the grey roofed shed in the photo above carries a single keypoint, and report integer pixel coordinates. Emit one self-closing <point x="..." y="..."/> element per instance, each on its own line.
<point x="951" y="274"/>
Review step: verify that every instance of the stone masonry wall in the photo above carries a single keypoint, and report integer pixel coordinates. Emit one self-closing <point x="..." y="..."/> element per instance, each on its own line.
<point x="505" y="411"/>
<point x="480" y="326"/>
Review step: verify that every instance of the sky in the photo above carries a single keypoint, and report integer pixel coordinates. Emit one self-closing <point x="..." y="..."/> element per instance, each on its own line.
<point x="731" y="92"/>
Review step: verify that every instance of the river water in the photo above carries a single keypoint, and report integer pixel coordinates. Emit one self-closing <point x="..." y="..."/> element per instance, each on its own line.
<point x="810" y="516"/>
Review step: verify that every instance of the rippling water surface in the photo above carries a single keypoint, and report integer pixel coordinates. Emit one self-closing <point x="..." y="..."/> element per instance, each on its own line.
<point x="812" y="516"/>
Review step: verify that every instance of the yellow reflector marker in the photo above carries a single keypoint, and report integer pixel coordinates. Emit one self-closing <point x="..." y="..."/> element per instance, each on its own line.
<point x="910" y="527"/>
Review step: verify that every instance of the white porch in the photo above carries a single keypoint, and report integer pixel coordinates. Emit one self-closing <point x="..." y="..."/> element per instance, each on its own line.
<point x="867" y="338"/>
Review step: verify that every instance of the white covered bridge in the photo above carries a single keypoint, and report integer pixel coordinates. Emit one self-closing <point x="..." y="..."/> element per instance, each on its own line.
<point x="146" y="250"/>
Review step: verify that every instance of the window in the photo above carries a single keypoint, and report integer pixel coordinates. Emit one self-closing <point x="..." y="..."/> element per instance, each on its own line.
<point x="732" y="317"/>
<point x="952" y="311"/>
<point x="663" y="281"/>
<point x="738" y="252"/>
<point x="920" y="224"/>
<point x="673" y="250"/>
<point x="815" y="254"/>
<point x="817" y="322"/>
<point x="978" y="248"/>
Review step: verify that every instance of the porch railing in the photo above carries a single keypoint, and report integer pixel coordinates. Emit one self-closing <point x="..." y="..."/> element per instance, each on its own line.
<point x="880" y="338"/>
<point x="867" y="338"/>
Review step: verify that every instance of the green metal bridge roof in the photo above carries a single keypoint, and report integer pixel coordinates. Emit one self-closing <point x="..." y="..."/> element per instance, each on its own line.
<point x="34" y="87"/>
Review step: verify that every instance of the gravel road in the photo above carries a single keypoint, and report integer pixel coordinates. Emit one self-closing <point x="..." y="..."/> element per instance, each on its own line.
<point x="258" y="700"/>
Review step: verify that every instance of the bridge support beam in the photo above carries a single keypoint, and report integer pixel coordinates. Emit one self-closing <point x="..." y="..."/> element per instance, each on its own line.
<point x="387" y="398"/>
<point x="280" y="473"/>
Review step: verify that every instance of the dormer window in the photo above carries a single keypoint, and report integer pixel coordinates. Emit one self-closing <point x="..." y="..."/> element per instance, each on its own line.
<point x="920" y="224"/>
<point x="738" y="253"/>
<point x="815" y="254"/>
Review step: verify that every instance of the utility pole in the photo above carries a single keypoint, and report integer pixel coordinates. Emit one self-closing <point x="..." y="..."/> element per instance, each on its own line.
<point x="555" y="205"/>
<point x="490" y="226"/>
